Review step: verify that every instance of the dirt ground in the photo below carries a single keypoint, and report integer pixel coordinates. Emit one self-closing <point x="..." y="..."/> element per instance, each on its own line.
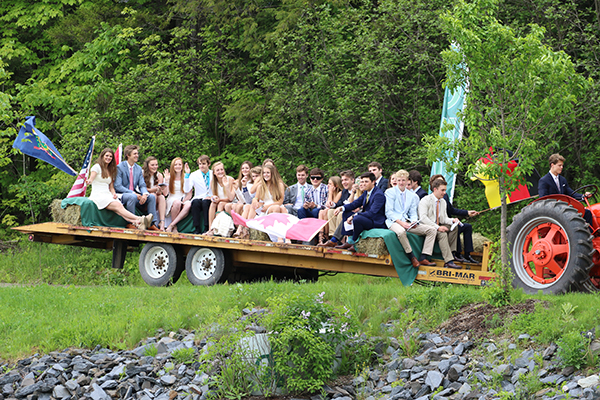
<point x="478" y="319"/>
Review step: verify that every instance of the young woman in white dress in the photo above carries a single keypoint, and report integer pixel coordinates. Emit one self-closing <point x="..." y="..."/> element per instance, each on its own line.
<point x="223" y="188"/>
<point x="269" y="193"/>
<point x="178" y="202"/>
<point x="102" y="176"/>
<point x="155" y="184"/>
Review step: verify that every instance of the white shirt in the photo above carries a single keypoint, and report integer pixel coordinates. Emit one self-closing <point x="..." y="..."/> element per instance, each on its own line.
<point x="556" y="182"/>
<point x="299" y="199"/>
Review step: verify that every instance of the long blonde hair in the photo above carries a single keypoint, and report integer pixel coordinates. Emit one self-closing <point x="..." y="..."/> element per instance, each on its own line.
<point x="273" y="186"/>
<point x="214" y="183"/>
<point x="173" y="173"/>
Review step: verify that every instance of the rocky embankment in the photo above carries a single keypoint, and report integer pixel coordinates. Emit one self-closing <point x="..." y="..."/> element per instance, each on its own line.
<point x="444" y="367"/>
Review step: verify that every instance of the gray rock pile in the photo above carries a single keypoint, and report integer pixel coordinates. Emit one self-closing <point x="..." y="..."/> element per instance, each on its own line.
<point x="443" y="368"/>
<point x="454" y="369"/>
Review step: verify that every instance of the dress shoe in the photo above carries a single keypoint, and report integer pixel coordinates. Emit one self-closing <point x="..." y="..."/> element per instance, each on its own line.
<point x="345" y="246"/>
<point x="450" y="264"/>
<point x="426" y="262"/>
<point x="131" y="226"/>
<point x="415" y="263"/>
<point x="153" y="228"/>
<point x="471" y="260"/>
<point x="458" y="257"/>
<point x="328" y="243"/>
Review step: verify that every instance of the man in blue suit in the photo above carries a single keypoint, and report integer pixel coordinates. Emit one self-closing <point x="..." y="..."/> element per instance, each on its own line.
<point x="554" y="183"/>
<point x="372" y="216"/>
<point x="381" y="182"/>
<point x="132" y="187"/>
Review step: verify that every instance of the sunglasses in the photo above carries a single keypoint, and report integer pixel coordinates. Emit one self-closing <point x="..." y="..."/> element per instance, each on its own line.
<point x="318" y="178"/>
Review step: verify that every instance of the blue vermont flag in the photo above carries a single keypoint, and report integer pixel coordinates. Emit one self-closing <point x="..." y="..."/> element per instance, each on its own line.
<point x="35" y="144"/>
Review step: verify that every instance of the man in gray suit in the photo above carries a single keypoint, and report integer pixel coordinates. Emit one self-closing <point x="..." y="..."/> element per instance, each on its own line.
<point x="432" y="212"/>
<point x="132" y="187"/>
<point x="293" y="200"/>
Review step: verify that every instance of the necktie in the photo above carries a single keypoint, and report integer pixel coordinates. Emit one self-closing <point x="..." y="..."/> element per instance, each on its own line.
<point x="302" y="193"/>
<point x="368" y="194"/>
<point x="437" y="212"/>
<point x="131" y="178"/>
<point x="402" y="201"/>
<point x="557" y="185"/>
<point x="206" y="179"/>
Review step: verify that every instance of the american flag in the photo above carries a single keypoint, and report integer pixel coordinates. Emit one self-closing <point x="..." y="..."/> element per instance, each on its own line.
<point x="79" y="187"/>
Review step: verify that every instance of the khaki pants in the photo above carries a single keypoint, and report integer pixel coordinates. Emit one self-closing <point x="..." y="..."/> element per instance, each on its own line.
<point x="422" y="230"/>
<point x="447" y="242"/>
<point x="334" y="220"/>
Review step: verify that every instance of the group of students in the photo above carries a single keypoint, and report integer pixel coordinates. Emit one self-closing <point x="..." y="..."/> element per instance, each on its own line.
<point x="351" y="206"/>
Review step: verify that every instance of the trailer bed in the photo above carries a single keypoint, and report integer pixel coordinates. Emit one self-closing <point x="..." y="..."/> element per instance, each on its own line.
<point x="242" y="254"/>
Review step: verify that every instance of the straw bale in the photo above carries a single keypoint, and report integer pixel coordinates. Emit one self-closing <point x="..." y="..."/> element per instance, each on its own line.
<point x="70" y="215"/>
<point x="478" y="241"/>
<point x="258" y="235"/>
<point x="372" y="246"/>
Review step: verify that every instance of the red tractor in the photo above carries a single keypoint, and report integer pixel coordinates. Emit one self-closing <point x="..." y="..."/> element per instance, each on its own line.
<point x="551" y="247"/>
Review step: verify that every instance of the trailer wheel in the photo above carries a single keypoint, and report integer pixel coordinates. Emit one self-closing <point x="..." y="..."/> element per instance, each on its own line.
<point x="551" y="248"/>
<point x="158" y="263"/>
<point x="205" y="266"/>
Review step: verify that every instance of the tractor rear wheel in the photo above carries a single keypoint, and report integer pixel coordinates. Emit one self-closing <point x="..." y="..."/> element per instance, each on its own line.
<point x="551" y="248"/>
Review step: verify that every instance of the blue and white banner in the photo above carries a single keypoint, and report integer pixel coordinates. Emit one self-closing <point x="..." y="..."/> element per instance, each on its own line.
<point x="454" y="103"/>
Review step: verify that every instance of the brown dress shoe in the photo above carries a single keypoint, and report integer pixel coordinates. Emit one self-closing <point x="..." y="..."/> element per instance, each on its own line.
<point x="131" y="226"/>
<point x="153" y="228"/>
<point x="328" y="243"/>
<point x="451" y="264"/>
<point x="414" y="262"/>
<point x="426" y="262"/>
<point x="345" y="246"/>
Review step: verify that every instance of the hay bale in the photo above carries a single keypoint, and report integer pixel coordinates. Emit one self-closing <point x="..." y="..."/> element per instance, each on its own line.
<point x="70" y="215"/>
<point x="372" y="246"/>
<point x="478" y="241"/>
<point x="258" y="235"/>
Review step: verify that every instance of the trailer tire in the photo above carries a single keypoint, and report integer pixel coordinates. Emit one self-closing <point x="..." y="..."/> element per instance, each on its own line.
<point x="158" y="263"/>
<point x="206" y="266"/>
<point x="550" y="247"/>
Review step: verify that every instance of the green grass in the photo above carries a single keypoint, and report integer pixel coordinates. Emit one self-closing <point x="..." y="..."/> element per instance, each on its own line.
<point x="43" y="318"/>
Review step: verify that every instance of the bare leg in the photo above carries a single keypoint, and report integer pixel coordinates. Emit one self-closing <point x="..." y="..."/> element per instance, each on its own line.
<point x="161" y="206"/>
<point x="325" y="231"/>
<point x="117" y="207"/>
<point x="211" y="214"/>
<point x="222" y="205"/>
<point x="175" y="210"/>
<point x="185" y="210"/>
<point x="238" y="208"/>
<point x="229" y="207"/>
<point x="251" y="213"/>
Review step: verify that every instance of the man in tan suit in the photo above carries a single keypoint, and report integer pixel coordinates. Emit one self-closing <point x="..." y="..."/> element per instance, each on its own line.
<point x="401" y="213"/>
<point x="432" y="211"/>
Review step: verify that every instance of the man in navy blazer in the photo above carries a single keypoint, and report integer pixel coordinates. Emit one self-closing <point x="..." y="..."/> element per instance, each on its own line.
<point x="554" y="183"/>
<point x="381" y="182"/>
<point x="372" y="216"/>
<point x="133" y="191"/>
<point x="414" y="183"/>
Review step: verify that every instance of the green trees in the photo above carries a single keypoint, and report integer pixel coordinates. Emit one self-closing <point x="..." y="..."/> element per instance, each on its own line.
<point x="332" y="84"/>
<point x="521" y="94"/>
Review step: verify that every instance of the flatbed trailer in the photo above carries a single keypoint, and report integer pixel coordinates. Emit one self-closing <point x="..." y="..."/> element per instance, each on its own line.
<point x="208" y="260"/>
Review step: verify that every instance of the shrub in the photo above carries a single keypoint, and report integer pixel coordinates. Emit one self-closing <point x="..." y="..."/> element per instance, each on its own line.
<point x="306" y="333"/>
<point x="572" y="349"/>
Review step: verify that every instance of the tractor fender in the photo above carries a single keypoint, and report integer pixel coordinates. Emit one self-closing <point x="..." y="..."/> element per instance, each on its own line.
<point x="576" y="204"/>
